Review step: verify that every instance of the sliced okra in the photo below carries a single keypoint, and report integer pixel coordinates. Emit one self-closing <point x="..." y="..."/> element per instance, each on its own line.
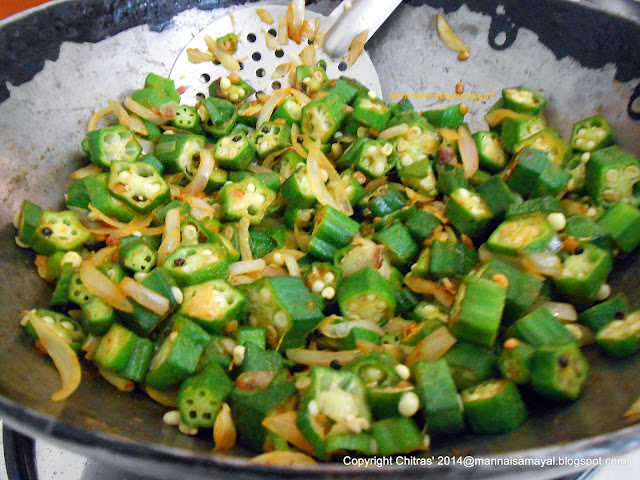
<point x="115" y="348"/>
<point x="97" y="316"/>
<point x="612" y="176"/>
<point x="559" y="371"/>
<point x="621" y="338"/>
<point x="228" y="42"/>
<point x="531" y="233"/>
<point x="64" y="326"/>
<point x="584" y="229"/>
<point x="375" y="158"/>
<point x="550" y="142"/>
<point x="371" y="112"/>
<point x="102" y="199"/>
<point x="376" y="369"/>
<point x="290" y="110"/>
<point x="108" y="144"/>
<point x="544" y="205"/>
<point x="248" y="113"/>
<point x="231" y="88"/>
<point x="193" y="264"/>
<point x="523" y="100"/>
<point x="200" y="397"/>
<point x="446" y="117"/>
<point x="469" y="364"/>
<point x="157" y="92"/>
<point x="397" y="435"/>
<point x="420" y="141"/>
<point x="28" y="221"/>
<point x="496" y="195"/>
<point x="591" y="134"/>
<point x="332" y="230"/>
<point x="355" y="191"/>
<point x="468" y="212"/>
<point x="384" y="200"/>
<point x="531" y="174"/>
<point x="178" y="152"/>
<point x="345" y="88"/>
<point x="389" y="402"/>
<point x="367" y="295"/>
<point x="540" y="329"/>
<point x="59" y="232"/>
<point x="248" y="198"/>
<point x="449" y="259"/>
<point x="139" y="360"/>
<point x="490" y="153"/>
<point x="187" y="119"/>
<point x="622" y="221"/>
<point x="323" y="279"/>
<point x="322" y="117"/>
<point x="255" y="335"/>
<point x="212" y="305"/>
<point x="494" y="406"/>
<point x="515" y="131"/>
<point x="598" y="316"/>
<point x="139" y="185"/>
<point x="515" y="361"/>
<point x="219" y="116"/>
<point x="270" y="137"/>
<point x="296" y="190"/>
<point x="583" y="272"/>
<point x="419" y="176"/>
<point x="450" y="178"/>
<point x="398" y="244"/>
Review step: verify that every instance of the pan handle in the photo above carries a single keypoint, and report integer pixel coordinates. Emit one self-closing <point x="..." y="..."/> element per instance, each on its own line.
<point x="19" y="455"/>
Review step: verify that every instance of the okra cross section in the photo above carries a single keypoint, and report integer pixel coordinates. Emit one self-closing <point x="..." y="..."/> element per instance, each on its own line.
<point x="139" y="185"/>
<point x="180" y="152"/>
<point x="193" y="264"/>
<point x="270" y="137"/>
<point x="59" y="231"/>
<point x="332" y="230"/>
<point x="621" y="338"/>
<point x="200" y="397"/>
<point x="248" y="198"/>
<point x="523" y="100"/>
<point x="591" y="134"/>
<point x="285" y="308"/>
<point x="367" y="295"/>
<point x="468" y="212"/>
<point x="234" y="151"/>
<point x="612" y="175"/>
<point x="583" y="272"/>
<point x="108" y="144"/>
<point x="212" y="305"/>
<point x="322" y="117"/>
<point x="531" y="233"/>
<point x="65" y="326"/>
<point x="559" y="371"/>
<point x="494" y="406"/>
<point x="375" y="158"/>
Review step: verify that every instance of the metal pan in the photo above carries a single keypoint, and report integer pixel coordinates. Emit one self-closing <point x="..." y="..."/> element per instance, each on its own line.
<point x="62" y="60"/>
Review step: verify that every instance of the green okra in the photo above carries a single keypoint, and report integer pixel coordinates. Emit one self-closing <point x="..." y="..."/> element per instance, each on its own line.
<point x="598" y="316"/>
<point x="559" y="371"/>
<point x="590" y="134"/>
<point x="515" y="361"/>
<point x="612" y="175"/>
<point x="200" y="397"/>
<point x="494" y="406"/>
<point x="622" y="222"/>
<point x="366" y="295"/>
<point x="621" y="338"/>
<point x="541" y="329"/>
<point x="469" y="364"/>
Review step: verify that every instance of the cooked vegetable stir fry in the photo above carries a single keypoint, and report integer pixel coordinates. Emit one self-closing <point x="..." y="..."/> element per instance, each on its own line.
<point x="320" y="271"/>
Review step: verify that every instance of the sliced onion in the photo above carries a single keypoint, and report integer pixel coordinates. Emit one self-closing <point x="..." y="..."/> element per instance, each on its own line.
<point x="198" y="56"/>
<point x="542" y="263"/>
<point x="498" y="116"/>
<point x="63" y="356"/>
<point x="99" y="284"/>
<point x="271" y="41"/>
<point x="564" y="312"/>
<point x="265" y="16"/>
<point x="292" y="265"/>
<point x="448" y="36"/>
<point x="283" y="457"/>
<point x="42" y="265"/>
<point x="201" y="178"/>
<point x="273" y="271"/>
<point x="431" y="347"/>
<point x="295" y="20"/>
<point x="121" y="383"/>
<point x="169" y="110"/>
<point x="281" y="70"/>
<point x="270" y="105"/>
<point x="120" y="113"/>
<point x="243" y="267"/>
<point x="92" y="124"/>
<point x="308" y="55"/>
<point x="468" y="152"/>
<point x="340" y="330"/>
<point x="149" y="299"/>
<point x="241" y="280"/>
<point x="243" y="239"/>
<point x="338" y="197"/>
<point x="310" y="29"/>
<point x="224" y="430"/>
<point x="103" y="254"/>
<point x="357" y="47"/>
<point x="168" y="398"/>
<point x="88" y="171"/>
<point x="171" y="235"/>
<point x="139" y="222"/>
<point x="89" y="346"/>
<point x="254" y="380"/>
<point x="393" y="132"/>
<point x="227" y="60"/>
<point x="285" y="426"/>
<point x="283" y="31"/>
<point x="137" y="125"/>
<point x="144" y="112"/>
<point x="319" y="40"/>
<point x="321" y="357"/>
<point x="415" y="197"/>
<point x="301" y="97"/>
<point x="366" y="254"/>
<point x="270" y="257"/>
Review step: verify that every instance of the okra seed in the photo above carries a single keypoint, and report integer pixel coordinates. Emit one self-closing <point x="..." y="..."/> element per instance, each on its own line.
<point x="251" y="188"/>
<point x="348" y="5"/>
<point x="329" y="277"/>
<point x="403" y="371"/>
<point x="426" y="441"/>
<point x="409" y="404"/>
<point x="172" y="417"/>
<point x="369" y="297"/>
<point x="271" y="332"/>
<point x="511" y="343"/>
<point x="585" y="157"/>
<point x="278" y="259"/>
<point x="580" y="141"/>
<point x="335" y="364"/>
<point x="73" y="258"/>
<point x="592" y="212"/>
<point x="299" y="139"/>
<point x="177" y="294"/>
<point x="336" y="149"/>
<point x="578" y="251"/>
<point x="402" y="145"/>
<point x="178" y="262"/>
<point x="225" y="83"/>
<point x="265" y="129"/>
<point x="612" y="175"/>
<point x="590" y="144"/>
<point x="557" y="221"/>
<point x="405" y="161"/>
<point x="187" y="430"/>
<point x="313" y="408"/>
<point x="46" y="231"/>
<point x="632" y="172"/>
<point x="575" y="331"/>
<point x="328" y="293"/>
<point x="140" y="276"/>
<point x="280" y="320"/>
<point x="238" y="354"/>
<point x="366" y="162"/>
<point x="381" y="305"/>
<point x="317" y="286"/>
<point x="265" y="295"/>
<point x="414" y="132"/>
<point x="563" y="361"/>
<point x="47" y="319"/>
<point x="234" y="97"/>
<point x="387" y="149"/>
<point x="206" y="252"/>
<point x="603" y="292"/>
<point x="253" y="321"/>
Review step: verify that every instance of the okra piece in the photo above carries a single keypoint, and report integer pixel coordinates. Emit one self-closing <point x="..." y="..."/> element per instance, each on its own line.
<point x="139" y="360"/>
<point x="403" y="105"/>
<point x="367" y="295"/>
<point x="523" y="100"/>
<point x="194" y="264"/>
<point x="222" y="116"/>
<point x="212" y="305"/>
<point x="138" y="254"/>
<point x="447" y="117"/>
<point x="157" y="92"/>
<point x="290" y="110"/>
<point x="598" y="316"/>
<point x="179" y="152"/>
<point x="468" y="212"/>
<point x="249" y="198"/>
<point x="469" y="364"/>
<point x="375" y="158"/>
<point x="231" y="88"/>
<point x="59" y="232"/>
<point x="533" y="175"/>
<point x="102" y="199"/>
<point x="323" y="279"/>
<point x="550" y="142"/>
<point x="29" y="219"/>
<point x="490" y="153"/>
<point x="531" y="233"/>
<point x="448" y="259"/>
<point x="333" y="399"/>
<point x="621" y="338"/>
<point x="178" y="354"/>
<point x="270" y="137"/>
<point x="559" y="371"/>
<point x="371" y="112"/>
<point x="345" y="88"/>
<point x="200" y="397"/>
<point x="612" y="175"/>
<point x="583" y="272"/>
<point x="496" y="195"/>
<point x="398" y="244"/>
<point x="143" y="321"/>
<point x="541" y="329"/>
<point x="494" y="406"/>
<point x="450" y="178"/>
<point x="228" y="42"/>
<point x="622" y="221"/>
<point x="218" y="351"/>
<point x="332" y="230"/>
<point x="322" y="117"/>
<point x="187" y="119"/>
<point x="108" y="144"/>
<point x="65" y="326"/>
<point x="396" y="436"/>
<point x="350" y="442"/>
<point x="234" y="152"/>
<point x="296" y="190"/>
<point x="420" y="141"/>
<point x="476" y="311"/>
<point x="355" y="191"/>
<point x="515" y="131"/>
<point x="350" y="342"/>
<point x="97" y="316"/>
<point x="77" y="195"/>
<point x="544" y="205"/>
<point x="591" y="134"/>
<point x="438" y="397"/>
<point x="376" y="369"/>
<point x="257" y="358"/>
<point x="522" y="288"/>
<point x="60" y="295"/>
<point x="115" y="348"/>
<point x="515" y="361"/>
<point x="250" y="405"/>
<point x="78" y="293"/>
<point x="248" y="113"/>
<point x="384" y="200"/>
<point x="284" y="308"/>
<point x="388" y="401"/>
<point x="584" y="229"/>
<point x="420" y="177"/>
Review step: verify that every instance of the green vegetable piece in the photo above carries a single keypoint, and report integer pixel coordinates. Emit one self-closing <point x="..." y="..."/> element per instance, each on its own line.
<point x="612" y="176"/>
<point x="621" y="338"/>
<point x="234" y="152"/>
<point x="60" y="296"/>
<point x="217" y="351"/>
<point x="29" y="218"/>
<point x="559" y="371"/>
<point x="469" y="364"/>
<point x="515" y="131"/>
<point x="583" y="272"/>
<point x="622" y="221"/>
<point x="309" y="79"/>
<point x="438" y="397"/>
<point x="421" y="224"/>
<point x="598" y="316"/>
<point x="450" y="178"/>
<point x="231" y="88"/>
<point x="270" y="137"/>
<point x="550" y="142"/>
<point x="180" y="153"/>
<point x="248" y="113"/>
<point x="248" y="198"/>
<point x="139" y="360"/>
<point x="396" y="436"/>
<point x="543" y="205"/>
<point x="78" y="293"/>
<point x="584" y="229"/>
<point x="138" y="254"/>
<point x="384" y="200"/>
<point x="340" y="396"/>
<point x="200" y="397"/>
<point x="591" y="134"/>
<point x="376" y="369"/>
<point x="97" y="316"/>
<point x="115" y="348"/>
<point x="523" y="100"/>
<point x="420" y="177"/>
<point x="350" y="442"/>
<point x="212" y="305"/>
<point x="65" y="326"/>
<point x="375" y="158"/>
<point x="367" y="295"/>
<point x="446" y="117"/>
<point x="222" y="116"/>
<point x="102" y="199"/>
<point x="490" y="153"/>
<point x="187" y="118"/>
<point x="476" y="311"/>
<point x="332" y="230"/>
<point x="450" y="259"/>
<point x="257" y="358"/>
<point x="255" y="335"/>
<point x="194" y="264"/>
<point x="115" y="143"/>
<point x="533" y="175"/>
<point x="398" y="244"/>
<point x="178" y="354"/>
<point x="497" y="195"/>
<point x="403" y="105"/>
<point x="371" y="112"/>
<point x="515" y="361"/>
<point x="350" y="342"/>
<point x="296" y="190"/>
<point x="285" y="308"/>
<point x="322" y="117"/>
<point x="355" y="191"/>
<point x="344" y="88"/>
<point x="531" y="233"/>
<point x="228" y="42"/>
<point x="59" y="231"/>
<point x="158" y="91"/>
<point x="290" y="110"/>
<point x="494" y="406"/>
<point x="541" y="329"/>
<point x="468" y="212"/>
